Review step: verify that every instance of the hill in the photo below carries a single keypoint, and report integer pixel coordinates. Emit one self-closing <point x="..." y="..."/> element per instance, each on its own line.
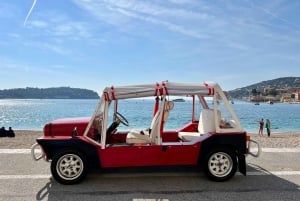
<point x="48" y="93"/>
<point x="279" y="83"/>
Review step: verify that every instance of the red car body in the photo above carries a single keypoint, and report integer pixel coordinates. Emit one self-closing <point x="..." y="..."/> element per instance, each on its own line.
<point x="74" y="145"/>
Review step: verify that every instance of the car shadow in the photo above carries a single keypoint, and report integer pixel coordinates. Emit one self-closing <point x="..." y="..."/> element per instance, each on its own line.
<point x="180" y="183"/>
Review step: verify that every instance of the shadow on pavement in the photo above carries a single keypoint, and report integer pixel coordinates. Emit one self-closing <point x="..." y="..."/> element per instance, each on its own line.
<point x="171" y="184"/>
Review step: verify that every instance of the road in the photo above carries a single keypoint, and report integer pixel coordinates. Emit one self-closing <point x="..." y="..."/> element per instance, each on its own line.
<point x="275" y="175"/>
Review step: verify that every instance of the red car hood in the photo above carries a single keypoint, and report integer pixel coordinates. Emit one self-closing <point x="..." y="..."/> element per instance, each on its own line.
<point x="65" y="127"/>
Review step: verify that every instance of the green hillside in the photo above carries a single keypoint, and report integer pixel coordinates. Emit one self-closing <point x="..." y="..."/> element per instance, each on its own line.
<point x="48" y="93"/>
<point x="279" y="83"/>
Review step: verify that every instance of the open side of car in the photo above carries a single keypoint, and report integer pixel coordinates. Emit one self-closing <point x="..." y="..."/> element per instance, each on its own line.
<point x="204" y="131"/>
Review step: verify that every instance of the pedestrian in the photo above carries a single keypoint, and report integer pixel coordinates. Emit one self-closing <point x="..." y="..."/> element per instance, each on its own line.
<point x="268" y="126"/>
<point x="10" y="132"/>
<point x="261" y="127"/>
<point x="3" y="132"/>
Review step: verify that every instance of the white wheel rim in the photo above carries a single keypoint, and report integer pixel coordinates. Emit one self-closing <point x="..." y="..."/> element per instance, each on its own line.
<point x="69" y="166"/>
<point x="220" y="164"/>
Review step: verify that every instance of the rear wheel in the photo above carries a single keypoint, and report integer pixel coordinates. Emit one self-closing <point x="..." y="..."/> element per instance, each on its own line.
<point x="220" y="164"/>
<point x="69" y="167"/>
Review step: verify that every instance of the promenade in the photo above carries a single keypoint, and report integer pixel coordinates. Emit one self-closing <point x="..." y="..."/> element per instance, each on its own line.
<point x="275" y="175"/>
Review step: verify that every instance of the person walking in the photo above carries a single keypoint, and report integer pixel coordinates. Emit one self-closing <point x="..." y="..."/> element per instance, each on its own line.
<point x="268" y="126"/>
<point x="261" y="127"/>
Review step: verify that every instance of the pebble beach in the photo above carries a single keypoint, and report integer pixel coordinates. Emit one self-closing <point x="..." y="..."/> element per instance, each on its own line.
<point x="24" y="139"/>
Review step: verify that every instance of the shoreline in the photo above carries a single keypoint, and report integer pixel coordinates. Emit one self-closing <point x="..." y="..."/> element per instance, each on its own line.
<point x="24" y="139"/>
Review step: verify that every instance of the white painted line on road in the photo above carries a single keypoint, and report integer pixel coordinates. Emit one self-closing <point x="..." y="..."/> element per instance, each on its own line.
<point x="284" y="150"/>
<point x="18" y="151"/>
<point x="278" y="150"/>
<point x="119" y="175"/>
<point x="36" y="176"/>
<point x="277" y="173"/>
<point x="266" y="150"/>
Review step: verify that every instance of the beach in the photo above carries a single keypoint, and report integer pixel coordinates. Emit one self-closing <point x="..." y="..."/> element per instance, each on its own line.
<point x="278" y="140"/>
<point x="24" y="139"/>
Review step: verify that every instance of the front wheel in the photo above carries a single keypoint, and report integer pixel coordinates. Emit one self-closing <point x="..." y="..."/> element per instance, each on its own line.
<point x="220" y="164"/>
<point x="69" y="167"/>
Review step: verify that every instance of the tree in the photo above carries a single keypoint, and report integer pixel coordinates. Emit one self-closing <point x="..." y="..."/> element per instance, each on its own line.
<point x="293" y="96"/>
<point x="254" y="92"/>
<point x="271" y="91"/>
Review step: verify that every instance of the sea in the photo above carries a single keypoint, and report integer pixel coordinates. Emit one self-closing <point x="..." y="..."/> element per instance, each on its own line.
<point x="33" y="114"/>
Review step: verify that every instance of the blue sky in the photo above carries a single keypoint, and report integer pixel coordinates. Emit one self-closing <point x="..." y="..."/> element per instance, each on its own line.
<point x="96" y="43"/>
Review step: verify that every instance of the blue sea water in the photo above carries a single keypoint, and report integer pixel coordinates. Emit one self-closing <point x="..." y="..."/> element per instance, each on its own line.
<point x="33" y="114"/>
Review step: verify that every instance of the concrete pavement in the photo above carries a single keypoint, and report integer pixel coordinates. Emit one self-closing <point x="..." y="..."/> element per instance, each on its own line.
<point x="273" y="176"/>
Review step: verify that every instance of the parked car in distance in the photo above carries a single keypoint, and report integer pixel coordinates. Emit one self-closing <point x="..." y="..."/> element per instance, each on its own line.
<point x="207" y="135"/>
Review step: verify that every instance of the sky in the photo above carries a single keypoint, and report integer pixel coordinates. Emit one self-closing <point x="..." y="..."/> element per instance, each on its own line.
<point x="96" y="43"/>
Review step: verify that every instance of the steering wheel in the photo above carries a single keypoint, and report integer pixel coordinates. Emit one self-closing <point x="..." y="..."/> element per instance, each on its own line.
<point x="118" y="119"/>
<point x="121" y="119"/>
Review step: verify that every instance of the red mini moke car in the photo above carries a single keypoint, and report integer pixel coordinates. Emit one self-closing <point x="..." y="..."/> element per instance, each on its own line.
<point x="207" y="133"/>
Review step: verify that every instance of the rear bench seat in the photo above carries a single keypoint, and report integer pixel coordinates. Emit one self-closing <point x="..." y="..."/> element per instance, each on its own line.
<point x="206" y="124"/>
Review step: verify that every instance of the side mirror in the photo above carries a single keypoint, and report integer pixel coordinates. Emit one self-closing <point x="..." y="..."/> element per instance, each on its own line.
<point x="75" y="132"/>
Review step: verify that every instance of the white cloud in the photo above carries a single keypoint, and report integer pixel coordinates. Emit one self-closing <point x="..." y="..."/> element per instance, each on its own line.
<point x="119" y="13"/>
<point x="58" y="49"/>
<point x="237" y="26"/>
<point x="38" y="24"/>
<point x="181" y="1"/>
<point x="19" y="67"/>
<point x="8" y="10"/>
<point x="53" y="23"/>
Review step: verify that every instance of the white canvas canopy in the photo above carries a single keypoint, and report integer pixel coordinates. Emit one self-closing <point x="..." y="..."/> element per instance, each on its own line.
<point x="159" y="89"/>
<point x="163" y="89"/>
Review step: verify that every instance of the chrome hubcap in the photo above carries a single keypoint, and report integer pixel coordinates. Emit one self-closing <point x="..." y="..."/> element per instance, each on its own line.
<point x="69" y="166"/>
<point x="220" y="164"/>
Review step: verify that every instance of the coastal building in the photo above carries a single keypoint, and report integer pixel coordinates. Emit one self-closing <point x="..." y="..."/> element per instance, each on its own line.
<point x="286" y="94"/>
<point x="285" y="98"/>
<point x="273" y="94"/>
<point x="297" y="95"/>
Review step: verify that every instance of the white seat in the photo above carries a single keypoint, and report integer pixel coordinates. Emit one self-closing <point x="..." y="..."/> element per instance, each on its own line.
<point x="206" y="124"/>
<point x="150" y="135"/>
<point x="188" y="136"/>
<point x="138" y="136"/>
<point x="134" y="137"/>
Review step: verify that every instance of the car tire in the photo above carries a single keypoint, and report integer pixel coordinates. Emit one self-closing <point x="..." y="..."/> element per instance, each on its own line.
<point x="220" y="164"/>
<point x="69" y="167"/>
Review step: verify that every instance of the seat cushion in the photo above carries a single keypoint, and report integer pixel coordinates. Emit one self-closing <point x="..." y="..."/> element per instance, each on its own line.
<point x="188" y="136"/>
<point x="135" y="136"/>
